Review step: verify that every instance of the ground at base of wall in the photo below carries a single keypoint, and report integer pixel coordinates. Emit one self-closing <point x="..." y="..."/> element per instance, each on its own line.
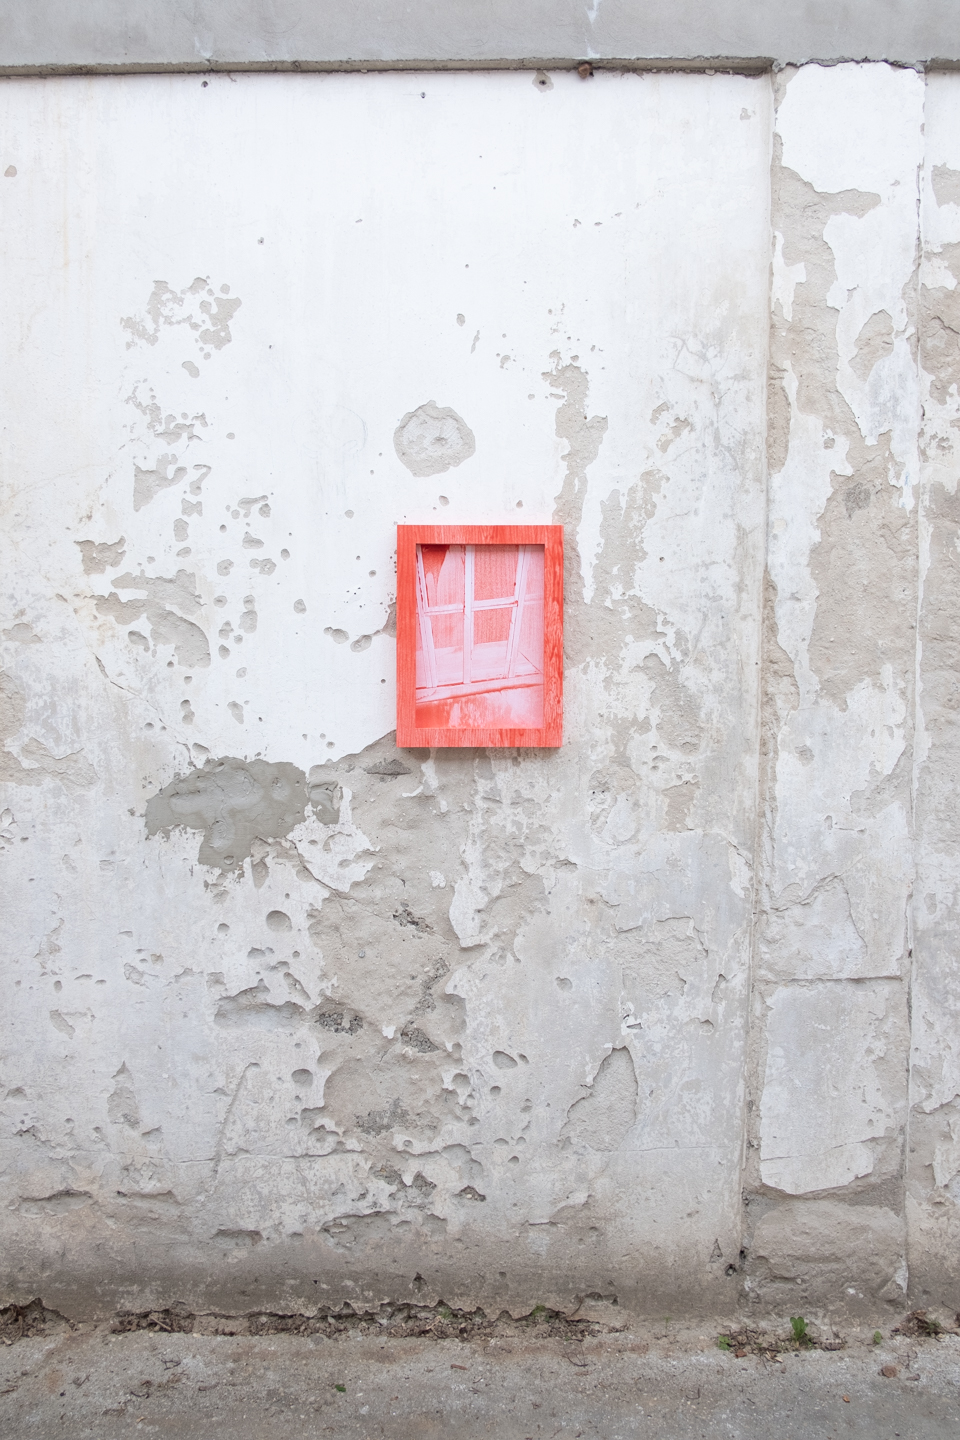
<point x="668" y="1381"/>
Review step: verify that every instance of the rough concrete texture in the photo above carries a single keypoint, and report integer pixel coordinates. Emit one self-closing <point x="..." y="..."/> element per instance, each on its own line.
<point x="933" y="1170"/>
<point x="50" y="34"/>
<point x="298" y="1019"/>
<point x="302" y="1017"/>
<point x="830" y="1037"/>
<point x="515" y="1381"/>
<point x="429" y="440"/>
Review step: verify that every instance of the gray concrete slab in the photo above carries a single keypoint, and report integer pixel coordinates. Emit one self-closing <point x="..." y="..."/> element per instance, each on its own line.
<point x="663" y="1382"/>
<point x="134" y="34"/>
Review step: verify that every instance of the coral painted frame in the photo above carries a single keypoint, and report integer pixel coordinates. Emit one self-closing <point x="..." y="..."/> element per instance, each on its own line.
<point x="479" y="635"/>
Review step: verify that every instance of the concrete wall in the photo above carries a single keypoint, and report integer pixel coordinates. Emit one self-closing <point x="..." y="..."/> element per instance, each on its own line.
<point x="51" y="35"/>
<point x="295" y="1017"/>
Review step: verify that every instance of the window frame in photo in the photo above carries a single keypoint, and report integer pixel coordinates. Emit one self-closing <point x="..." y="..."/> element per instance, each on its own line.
<point x="412" y="735"/>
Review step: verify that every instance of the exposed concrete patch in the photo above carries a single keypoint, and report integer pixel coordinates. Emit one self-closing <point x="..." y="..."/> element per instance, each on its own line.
<point x="147" y="484"/>
<point x="584" y="438"/>
<point x="21" y="634"/>
<point x="122" y="1107"/>
<point x="250" y="1008"/>
<point x="946" y="184"/>
<point x="233" y="803"/>
<point x="325" y="796"/>
<point x="433" y="439"/>
<point x="190" y="644"/>
<point x="833" y="1096"/>
<point x="814" y="939"/>
<point x="815" y="1250"/>
<point x="207" y="319"/>
<point x="940" y="316"/>
<point x="873" y="344"/>
<point x="73" y="771"/>
<point x="98" y="555"/>
<point x="860" y="552"/>
<point x="678" y="720"/>
<point x="604" y="1117"/>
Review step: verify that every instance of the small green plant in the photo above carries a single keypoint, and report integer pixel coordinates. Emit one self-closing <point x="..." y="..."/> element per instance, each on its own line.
<point x="799" y="1327"/>
<point x="538" y="1312"/>
<point x="724" y="1342"/>
<point x="341" y="1388"/>
<point x="877" y="1337"/>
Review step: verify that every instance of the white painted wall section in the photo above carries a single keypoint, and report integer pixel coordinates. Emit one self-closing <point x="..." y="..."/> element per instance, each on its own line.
<point x="302" y="1011"/>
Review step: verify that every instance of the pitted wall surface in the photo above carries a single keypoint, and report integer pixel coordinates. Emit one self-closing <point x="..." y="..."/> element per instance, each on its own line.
<point x="304" y="1017"/>
<point x="296" y="1018"/>
<point x="830" y="1032"/>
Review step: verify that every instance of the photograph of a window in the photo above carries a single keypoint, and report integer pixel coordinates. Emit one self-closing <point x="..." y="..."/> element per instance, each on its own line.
<point x="490" y="642"/>
<point x="480" y="608"/>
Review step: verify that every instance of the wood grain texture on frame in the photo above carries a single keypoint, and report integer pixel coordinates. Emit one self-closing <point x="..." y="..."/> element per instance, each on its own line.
<point x="549" y="733"/>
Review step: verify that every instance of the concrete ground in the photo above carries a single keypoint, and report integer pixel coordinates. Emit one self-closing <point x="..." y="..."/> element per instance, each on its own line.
<point x="529" y="1384"/>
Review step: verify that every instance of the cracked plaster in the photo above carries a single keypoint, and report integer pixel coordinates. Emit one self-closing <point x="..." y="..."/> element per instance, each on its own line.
<point x="300" y="1017"/>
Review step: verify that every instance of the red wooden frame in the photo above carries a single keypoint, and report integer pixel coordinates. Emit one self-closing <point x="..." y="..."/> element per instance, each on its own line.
<point x="442" y="694"/>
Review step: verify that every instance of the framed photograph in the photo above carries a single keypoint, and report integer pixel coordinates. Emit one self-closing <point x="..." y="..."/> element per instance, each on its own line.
<point x="479" y="635"/>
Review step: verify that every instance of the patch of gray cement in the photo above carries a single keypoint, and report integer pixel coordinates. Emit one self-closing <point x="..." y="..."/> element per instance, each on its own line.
<point x="147" y="484"/>
<point x="73" y="771"/>
<point x="946" y="185"/>
<point x="97" y="555"/>
<point x="190" y="644"/>
<point x="232" y="803"/>
<point x="605" y="1115"/>
<point x="432" y="439"/>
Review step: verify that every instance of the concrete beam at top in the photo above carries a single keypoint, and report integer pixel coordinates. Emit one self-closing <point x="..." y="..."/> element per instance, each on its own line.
<point x="124" y="36"/>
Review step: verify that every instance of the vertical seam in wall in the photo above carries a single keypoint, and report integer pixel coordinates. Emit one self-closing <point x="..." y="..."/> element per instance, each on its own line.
<point x="748" y="1118"/>
<point x="917" y="711"/>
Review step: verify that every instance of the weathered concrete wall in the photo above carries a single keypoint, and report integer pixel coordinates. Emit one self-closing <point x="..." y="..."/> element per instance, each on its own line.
<point x="831" y="999"/>
<point x="933" y="1195"/>
<point x="295" y="1017"/>
<point x="104" y="34"/>
<point x="302" y="1017"/>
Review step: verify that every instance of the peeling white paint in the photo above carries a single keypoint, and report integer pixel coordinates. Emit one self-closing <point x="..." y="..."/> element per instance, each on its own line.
<point x="338" y="995"/>
<point x="287" y="1003"/>
<point x="785" y="278"/>
<point x="832" y="1101"/>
